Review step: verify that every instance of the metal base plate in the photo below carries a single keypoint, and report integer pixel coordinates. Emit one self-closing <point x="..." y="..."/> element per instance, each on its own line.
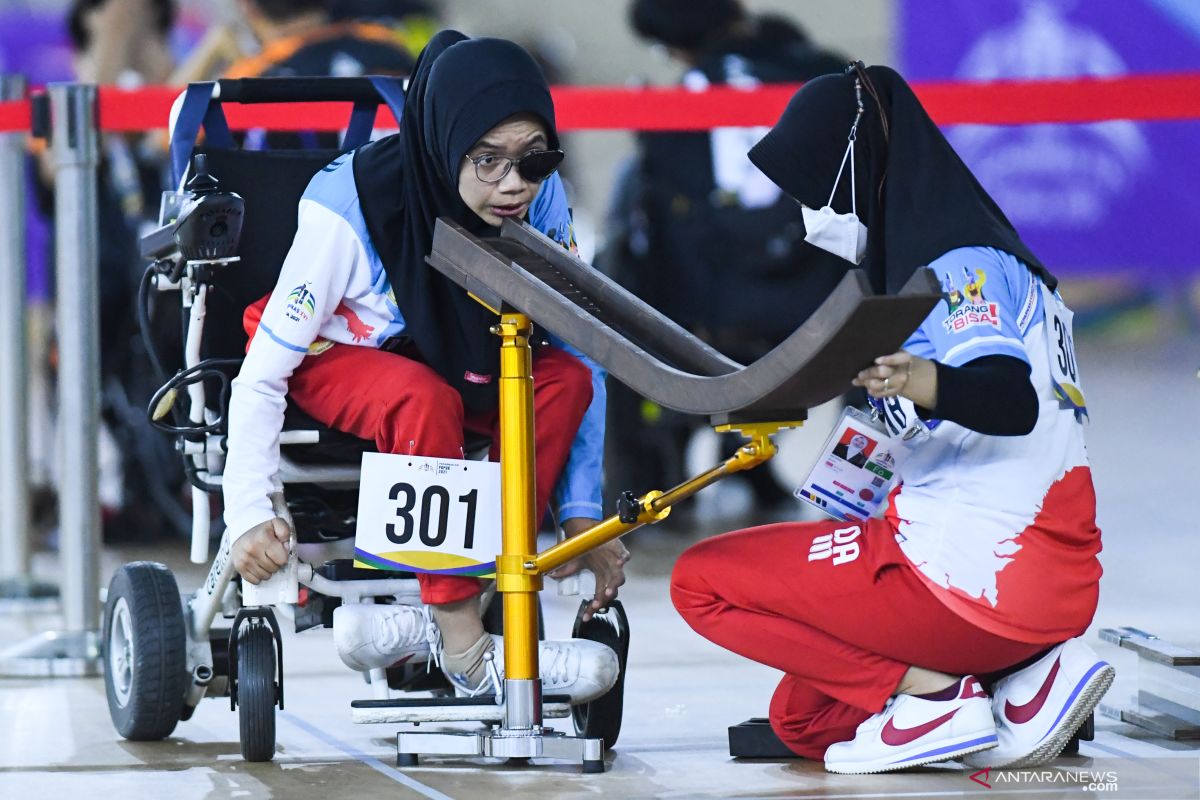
<point x="54" y="654"/>
<point x="500" y="743"/>
<point x="489" y="713"/>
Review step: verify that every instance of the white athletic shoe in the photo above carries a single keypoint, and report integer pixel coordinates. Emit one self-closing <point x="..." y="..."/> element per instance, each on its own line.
<point x="579" y="668"/>
<point x="912" y="731"/>
<point x="1038" y="709"/>
<point x="373" y="636"/>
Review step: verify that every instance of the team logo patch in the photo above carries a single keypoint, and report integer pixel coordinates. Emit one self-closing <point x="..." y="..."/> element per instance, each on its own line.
<point x="967" y="307"/>
<point x="301" y="304"/>
<point x="840" y="546"/>
<point x="359" y="330"/>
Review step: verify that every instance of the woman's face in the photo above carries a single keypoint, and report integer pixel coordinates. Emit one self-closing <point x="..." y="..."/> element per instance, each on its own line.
<point x="511" y="196"/>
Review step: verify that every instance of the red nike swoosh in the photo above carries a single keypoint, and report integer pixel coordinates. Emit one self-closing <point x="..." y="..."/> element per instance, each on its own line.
<point x="1027" y="711"/>
<point x="898" y="736"/>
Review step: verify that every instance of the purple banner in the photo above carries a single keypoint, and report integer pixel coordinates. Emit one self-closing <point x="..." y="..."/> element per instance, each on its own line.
<point x="1086" y="198"/>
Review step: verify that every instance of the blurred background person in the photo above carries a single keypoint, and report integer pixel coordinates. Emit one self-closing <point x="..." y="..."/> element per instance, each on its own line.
<point x="125" y="43"/>
<point x="414" y="21"/>
<point x="302" y="37"/>
<point x="699" y="233"/>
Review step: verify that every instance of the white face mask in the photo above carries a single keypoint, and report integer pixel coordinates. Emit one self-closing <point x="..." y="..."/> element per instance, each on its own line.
<point x="841" y="234"/>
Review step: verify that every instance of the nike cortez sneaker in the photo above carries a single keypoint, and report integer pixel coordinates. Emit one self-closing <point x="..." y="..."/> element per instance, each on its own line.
<point x="1038" y="709"/>
<point x="579" y="668"/>
<point x="912" y="730"/>
<point x="373" y="636"/>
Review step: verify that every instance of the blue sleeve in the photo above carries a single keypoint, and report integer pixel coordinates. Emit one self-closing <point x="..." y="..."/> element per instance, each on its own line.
<point x="988" y="297"/>
<point x="578" y="491"/>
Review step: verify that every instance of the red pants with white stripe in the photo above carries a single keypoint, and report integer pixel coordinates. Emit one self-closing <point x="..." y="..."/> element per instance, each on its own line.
<point x="839" y="610"/>
<point x="405" y="407"/>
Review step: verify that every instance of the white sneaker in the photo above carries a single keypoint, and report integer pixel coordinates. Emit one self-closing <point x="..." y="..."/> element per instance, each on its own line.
<point x="912" y="731"/>
<point x="579" y="668"/>
<point x="1039" y="708"/>
<point x="373" y="636"/>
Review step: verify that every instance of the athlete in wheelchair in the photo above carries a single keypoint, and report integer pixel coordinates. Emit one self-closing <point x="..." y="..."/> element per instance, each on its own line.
<point x="356" y="346"/>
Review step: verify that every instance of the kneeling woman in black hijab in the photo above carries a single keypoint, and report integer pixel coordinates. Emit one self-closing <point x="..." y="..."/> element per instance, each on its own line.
<point x="947" y="627"/>
<point x="365" y="337"/>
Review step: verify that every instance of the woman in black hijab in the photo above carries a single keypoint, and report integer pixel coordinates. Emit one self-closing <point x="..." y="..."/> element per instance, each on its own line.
<point x="366" y="338"/>
<point x="985" y="559"/>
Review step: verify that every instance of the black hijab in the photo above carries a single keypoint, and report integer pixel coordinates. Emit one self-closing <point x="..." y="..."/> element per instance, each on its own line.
<point x="459" y="90"/>
<point x="914" y="194"/>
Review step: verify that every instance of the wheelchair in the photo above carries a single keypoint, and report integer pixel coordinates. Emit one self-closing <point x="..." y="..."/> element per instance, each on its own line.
<point x="164" y="652"/>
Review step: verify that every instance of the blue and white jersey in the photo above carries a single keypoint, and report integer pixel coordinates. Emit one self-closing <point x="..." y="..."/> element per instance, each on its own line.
<point x="333" y="288"/>
<point x="980" y="516"/>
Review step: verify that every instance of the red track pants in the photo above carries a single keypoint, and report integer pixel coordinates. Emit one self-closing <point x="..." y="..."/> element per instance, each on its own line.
<point x="405" y="407"/>
<point x="837" y="608"/>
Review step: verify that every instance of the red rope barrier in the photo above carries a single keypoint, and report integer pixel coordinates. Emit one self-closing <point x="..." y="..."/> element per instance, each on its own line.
<point x="1078" y="100"/>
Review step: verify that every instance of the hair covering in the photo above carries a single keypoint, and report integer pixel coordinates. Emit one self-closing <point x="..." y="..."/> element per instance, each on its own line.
<point x="459" y="90"/>
<point x="914" y="194"/>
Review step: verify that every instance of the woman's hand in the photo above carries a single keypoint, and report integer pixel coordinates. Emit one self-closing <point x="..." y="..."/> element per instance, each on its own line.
<point x="901" y="375"/>
<point x="261" y="551"/>
<point x="606" y="562"/>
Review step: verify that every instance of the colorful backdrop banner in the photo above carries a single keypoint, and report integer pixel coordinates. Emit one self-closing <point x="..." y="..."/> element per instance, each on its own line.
<point x="1110" y="195"/>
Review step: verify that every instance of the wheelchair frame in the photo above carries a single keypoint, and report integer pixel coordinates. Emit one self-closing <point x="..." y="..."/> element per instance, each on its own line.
<point x="807" y="368"/>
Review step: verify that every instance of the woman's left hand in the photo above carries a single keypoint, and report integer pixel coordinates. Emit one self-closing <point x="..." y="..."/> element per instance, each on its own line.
<point x="901" y="375"/>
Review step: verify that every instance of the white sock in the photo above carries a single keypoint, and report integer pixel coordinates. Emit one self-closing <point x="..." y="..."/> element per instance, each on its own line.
<point x="469" y="668"/>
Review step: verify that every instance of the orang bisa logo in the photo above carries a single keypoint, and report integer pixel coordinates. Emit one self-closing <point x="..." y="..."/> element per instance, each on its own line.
<point x="968" y="308"/>
<point x="1087" y="780"/>
<point x="839" y="545"/>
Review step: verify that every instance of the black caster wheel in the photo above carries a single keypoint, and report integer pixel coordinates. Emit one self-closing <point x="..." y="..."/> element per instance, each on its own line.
<point x="601" y="718"/>
<point x="144" y="651"/>
<point x="256" y="691"/>
<point x="407" y="760"/>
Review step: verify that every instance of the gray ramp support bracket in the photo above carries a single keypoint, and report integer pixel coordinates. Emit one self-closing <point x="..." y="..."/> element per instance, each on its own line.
<point x="1167" y="701"/>
<point x="660" y="360"/>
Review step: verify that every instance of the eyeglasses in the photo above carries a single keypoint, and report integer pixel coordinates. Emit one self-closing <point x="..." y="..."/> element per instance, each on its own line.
<point x="535" y="166"/>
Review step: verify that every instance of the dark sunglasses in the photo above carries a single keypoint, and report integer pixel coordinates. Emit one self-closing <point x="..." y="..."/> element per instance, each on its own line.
<point x="535" y="166"/>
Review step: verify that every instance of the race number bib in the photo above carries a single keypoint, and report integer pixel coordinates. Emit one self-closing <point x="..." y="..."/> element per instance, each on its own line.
<point x="435" y="515"/>
<point x="1064" y="369"/>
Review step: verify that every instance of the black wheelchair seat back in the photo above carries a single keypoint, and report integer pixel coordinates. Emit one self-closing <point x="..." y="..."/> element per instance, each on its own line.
<point x="271" y="183"/>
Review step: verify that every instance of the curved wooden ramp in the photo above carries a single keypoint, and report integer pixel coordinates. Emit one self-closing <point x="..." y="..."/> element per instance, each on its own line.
<point x="660" y="360"/>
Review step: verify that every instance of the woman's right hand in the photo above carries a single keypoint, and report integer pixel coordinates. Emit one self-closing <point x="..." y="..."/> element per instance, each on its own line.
<point x="261" y="551"/>
<point x="901" y="375"/>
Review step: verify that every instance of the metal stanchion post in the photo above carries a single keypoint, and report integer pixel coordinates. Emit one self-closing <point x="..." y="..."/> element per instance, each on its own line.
<point x="75" y="146"/>
<point x="17" y="586"/>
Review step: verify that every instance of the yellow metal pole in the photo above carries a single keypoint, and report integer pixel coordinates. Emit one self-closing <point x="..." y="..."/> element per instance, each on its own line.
<point x="517" y="488"/>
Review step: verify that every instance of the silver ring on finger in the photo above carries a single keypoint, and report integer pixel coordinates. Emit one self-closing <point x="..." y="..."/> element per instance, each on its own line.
<point x="886" y="387"/>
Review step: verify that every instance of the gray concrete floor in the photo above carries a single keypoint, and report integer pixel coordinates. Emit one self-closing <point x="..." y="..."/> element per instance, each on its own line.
<point x="681" y="693"/>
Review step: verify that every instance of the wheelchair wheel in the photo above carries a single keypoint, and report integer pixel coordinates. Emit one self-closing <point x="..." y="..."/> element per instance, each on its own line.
<point x="601" y="718"/>
<point x="144" y="651"/>
<point x="256" y="691"/>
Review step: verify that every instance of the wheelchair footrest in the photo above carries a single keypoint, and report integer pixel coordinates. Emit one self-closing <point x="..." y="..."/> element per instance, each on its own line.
<point x="755" y="739"/>
<point x="482" y="708"/>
